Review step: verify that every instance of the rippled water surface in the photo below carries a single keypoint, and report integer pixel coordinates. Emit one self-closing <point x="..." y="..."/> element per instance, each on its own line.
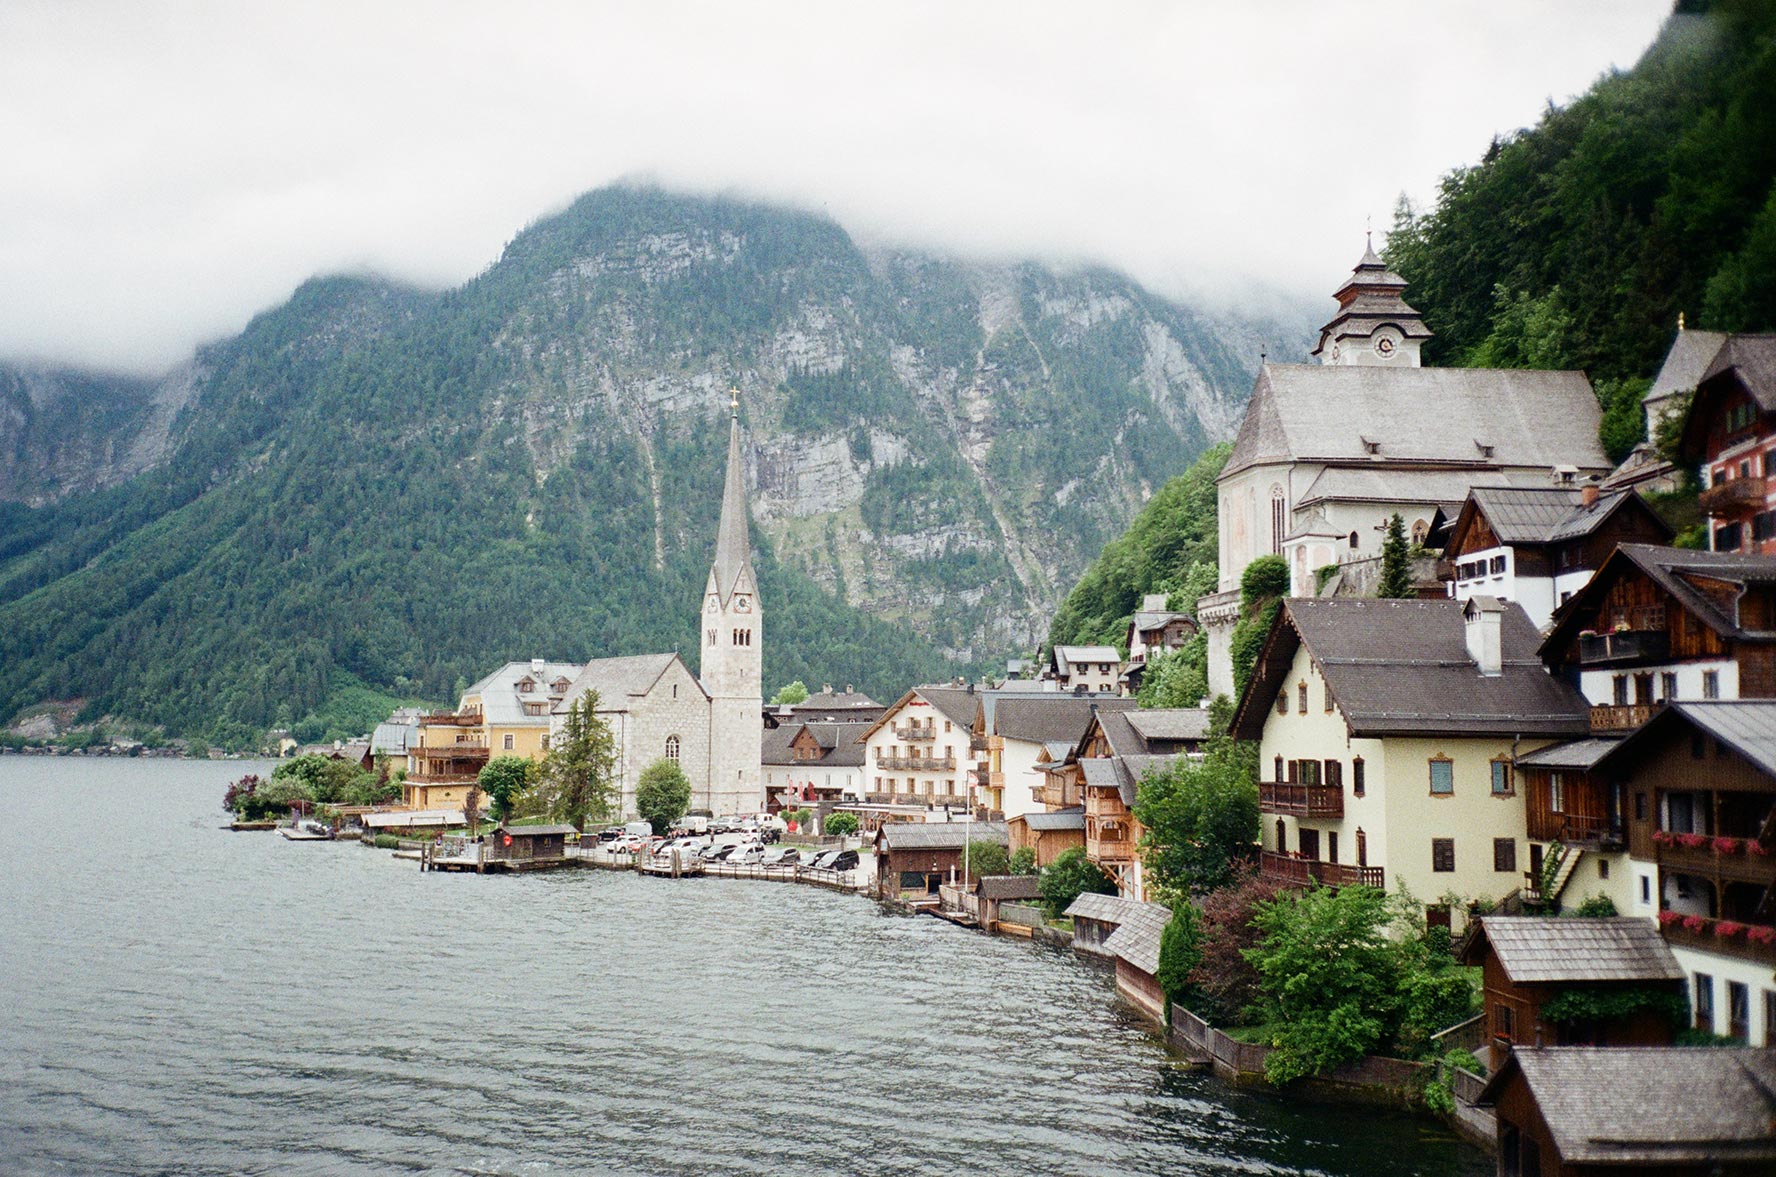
<point x="175" y="998"/>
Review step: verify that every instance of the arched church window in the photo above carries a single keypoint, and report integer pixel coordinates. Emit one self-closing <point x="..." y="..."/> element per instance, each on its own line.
<point x="1420" y="529"/>
<point x="1276" y="519"/>
<point x="1353" y="541"/>
<point x="672" y="747"/>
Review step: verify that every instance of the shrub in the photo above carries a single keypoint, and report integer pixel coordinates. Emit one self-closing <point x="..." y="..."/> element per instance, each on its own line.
<point x="985" y="858"/>
<point x="1596" y="907"/>
<point x="1224" y="986"/>
<point x="1069" y="876"/>
<point x="1023" y="862"/>
<point x="841" y="823"/>
<point x="387" y="842"/>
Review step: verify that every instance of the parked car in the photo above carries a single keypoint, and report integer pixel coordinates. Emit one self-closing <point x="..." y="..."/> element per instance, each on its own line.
<point x="718" y="853"/>
<point x="749" y="853"/>
<point x="611" y="834"/>
<point x="845" y="860"/>
<point x="822" y="860"/>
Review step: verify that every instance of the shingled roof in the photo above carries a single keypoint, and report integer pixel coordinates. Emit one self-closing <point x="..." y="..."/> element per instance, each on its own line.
<point x="1541" y="949"/>
<point x="940" y="835"/>
<point x="1324" y="413"/>
<point x="1649" y="1107"/>
<point x="1539" y="515"/>
<point x="1049" y="717"/>
<point x="1060" y="819"/>
<point x="1106" y="909"/>
<point x="1402" y="667"/>
<point x="1136" y="939"/>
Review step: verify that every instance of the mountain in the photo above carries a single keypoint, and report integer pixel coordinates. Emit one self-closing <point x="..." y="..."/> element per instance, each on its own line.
<point x="1578" y="242"/>
<point x="375" y="491"/>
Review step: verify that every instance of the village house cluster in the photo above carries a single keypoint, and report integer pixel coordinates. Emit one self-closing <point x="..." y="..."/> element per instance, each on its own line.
<point x="1570" y="708"/>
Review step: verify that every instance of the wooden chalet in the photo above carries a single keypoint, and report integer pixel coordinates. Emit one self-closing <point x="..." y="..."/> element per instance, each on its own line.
<point x="1134" y="945"/>
<point x="1592" y="1111"/>
<point x="1701" y="785"/>
<point x="1657" y="624"/>
<point x="1730" y="431"/>
<point x="1095" y="918"/>
<point x="1116" y="751"/>
<point x="917" y="857"/>
<point x="1048" y="834"/>
<point x="1526" y="961"/>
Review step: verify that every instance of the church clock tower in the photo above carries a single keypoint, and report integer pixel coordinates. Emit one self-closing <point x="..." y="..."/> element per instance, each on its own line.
<point x="1373" y="326"/>
<point x="732" y="641"/>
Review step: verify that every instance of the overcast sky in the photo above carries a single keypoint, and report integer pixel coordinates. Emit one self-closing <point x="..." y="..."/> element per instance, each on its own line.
<point x="169" y="169"/>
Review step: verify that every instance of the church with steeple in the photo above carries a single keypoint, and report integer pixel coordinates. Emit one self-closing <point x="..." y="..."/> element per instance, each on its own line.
<point x="1329" y="450"/>
<point x="711" y="722"/>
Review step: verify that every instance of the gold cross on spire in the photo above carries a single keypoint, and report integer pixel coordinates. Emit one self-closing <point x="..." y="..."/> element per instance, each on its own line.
<point x="734" y="401"/>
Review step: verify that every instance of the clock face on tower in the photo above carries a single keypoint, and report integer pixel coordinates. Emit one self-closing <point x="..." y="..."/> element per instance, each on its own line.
<point x="743" y="604"/>
<point x="1384" y="347"/>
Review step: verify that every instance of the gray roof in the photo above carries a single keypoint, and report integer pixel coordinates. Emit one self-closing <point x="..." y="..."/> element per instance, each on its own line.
<point x="1581" y="755"/>
<point x="1650" y="1106"/>
<point x="1100" y="772"/>
<point x="941" y="835"/>
<point x="1445" y="488"/>
<point x="1106" y="909"/>
<point x="1051" y="717"/>
<point x="1170" y="723"/>
<point x="1543" y="514"/>
<point x="1087" y="654"/>
<point x="1753" y="359"/>
<point x="1321" y="412"/>
<point x="393" y="739"/>
<point x="1541" y="949"/>
<point x="502" y="704"/>
<point x="1010" y="887"/>
<point x="617" y="680"/>
<point x="825" y="700"/>
<point x="539" y="831"/>
<point x="957" y="703"/>
<point x="1136" y="939"/>
<point x="1061" y="819"/>
<point x="1691" y="354"/>
<point x="1402" y="667"/>
<point x="733" y="542"/>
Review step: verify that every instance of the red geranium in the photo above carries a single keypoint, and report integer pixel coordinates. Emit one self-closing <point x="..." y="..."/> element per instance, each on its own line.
<point x="1726" y="845"/>
<point x="1694" y="923"/>
<point x="1727" y="929"/>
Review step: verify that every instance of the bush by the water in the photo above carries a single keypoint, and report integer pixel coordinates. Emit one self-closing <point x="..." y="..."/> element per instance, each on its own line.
<point x="1068" y="877"/>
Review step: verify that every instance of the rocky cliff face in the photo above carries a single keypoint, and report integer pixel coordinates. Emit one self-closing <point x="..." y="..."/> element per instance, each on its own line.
<point x="939" y="445"/>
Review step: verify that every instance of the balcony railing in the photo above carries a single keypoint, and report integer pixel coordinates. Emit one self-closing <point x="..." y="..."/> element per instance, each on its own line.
<point x="1624" y="645"/>
<point x="1746" y="941"/>
<point x="918" y="763"/>
<point x="1288" y="797"/>
<point x="1299" y="872"/>
<point x="913" y="731"/>
<point x="1742" y="859"/>
<point x="1621" y="718"/>
<point x="1589" y="833"/>
<point x="451" y="719"/>
<point x="1099" y="803"/>
<point x="452" y="752"/>
<point x="1738" y="496"/>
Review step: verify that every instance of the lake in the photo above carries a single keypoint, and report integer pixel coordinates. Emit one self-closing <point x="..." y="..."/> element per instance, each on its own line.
<point x="181" y="999"/>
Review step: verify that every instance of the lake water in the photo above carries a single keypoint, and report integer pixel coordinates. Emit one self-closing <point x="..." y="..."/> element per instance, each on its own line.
<point x="175" y="998"/>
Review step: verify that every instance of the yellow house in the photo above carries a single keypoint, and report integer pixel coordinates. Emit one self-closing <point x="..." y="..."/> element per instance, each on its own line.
<point x="505" y="714"/>
<point x="1388" y="732"/>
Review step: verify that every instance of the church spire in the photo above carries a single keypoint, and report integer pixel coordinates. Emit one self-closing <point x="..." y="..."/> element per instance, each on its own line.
<point x="733" y="544"/>
<point x="1374" y="324"/>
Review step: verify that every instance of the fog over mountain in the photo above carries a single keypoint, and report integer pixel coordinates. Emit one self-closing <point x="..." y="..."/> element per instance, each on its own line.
<point x="172" y="169"/>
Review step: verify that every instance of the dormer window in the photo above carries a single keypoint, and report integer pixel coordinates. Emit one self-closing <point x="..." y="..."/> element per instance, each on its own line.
<point x="526" y="686"/>
<point x="1371" y="445"/>
<point x="1485" y="450"/>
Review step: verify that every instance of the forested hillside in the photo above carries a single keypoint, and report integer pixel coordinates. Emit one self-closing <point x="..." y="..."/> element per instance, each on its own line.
<point x="375" y="492"/>
<point x="1576" y="243"/>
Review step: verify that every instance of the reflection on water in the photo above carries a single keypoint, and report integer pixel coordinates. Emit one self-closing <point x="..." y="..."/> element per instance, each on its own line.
<point x="182" y="999"/>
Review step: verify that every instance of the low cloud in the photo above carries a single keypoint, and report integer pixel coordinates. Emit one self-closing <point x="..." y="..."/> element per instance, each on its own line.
<point x="171" y="169"/>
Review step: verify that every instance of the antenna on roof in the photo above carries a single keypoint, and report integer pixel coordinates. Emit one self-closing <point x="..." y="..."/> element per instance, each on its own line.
<point x="1680" y="320"/>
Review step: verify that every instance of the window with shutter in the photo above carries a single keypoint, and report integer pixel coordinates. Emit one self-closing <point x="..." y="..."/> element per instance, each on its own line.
<point x="1442" y="854"/>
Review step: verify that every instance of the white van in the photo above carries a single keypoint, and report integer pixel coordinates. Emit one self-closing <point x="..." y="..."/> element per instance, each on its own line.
<point x="639" y="829"/>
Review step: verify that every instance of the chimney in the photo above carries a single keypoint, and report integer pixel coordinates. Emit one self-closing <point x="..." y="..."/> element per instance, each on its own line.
<point x="536" y="666"/>
<point x="1482" y="616"/>
<point x="1588" y="493"/>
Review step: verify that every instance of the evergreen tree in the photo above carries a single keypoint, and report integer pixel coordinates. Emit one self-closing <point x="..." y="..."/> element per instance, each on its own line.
<point x="578" y="774"/>
<point x="1396" y="562"/>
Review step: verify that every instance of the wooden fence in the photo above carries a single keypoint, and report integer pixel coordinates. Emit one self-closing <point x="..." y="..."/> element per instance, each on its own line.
<point x="1024" y="915"/>
<point x="1469" y="1035"/>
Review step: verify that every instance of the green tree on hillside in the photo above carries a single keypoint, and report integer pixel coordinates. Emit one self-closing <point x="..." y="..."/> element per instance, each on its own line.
<point x="662" y="794"/>
<point x="1396" y="562"/>
<point x="1201" y="819"/>
<point x="578" y="776"/>
<point x="790" y="695"/>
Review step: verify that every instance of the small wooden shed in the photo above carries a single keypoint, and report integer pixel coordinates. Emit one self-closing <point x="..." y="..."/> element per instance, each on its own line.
<point x="996" y="889"/>
<point x="521" y="847"/>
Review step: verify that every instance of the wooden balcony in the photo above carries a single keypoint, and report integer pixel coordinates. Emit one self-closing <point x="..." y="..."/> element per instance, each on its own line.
<point x="1739" y="860"/>
<point x="1296" y="800"/>
<point x="1105" y="804"/>
<point x="913" y="731"/>
<point x="450" y="719"/>
<point x="1726" y="937"/>
<point x="1734" y="498"/>
<point x="1571" y="829"/>
<point x="1624" y="645"/>
<point x="1299" y="872"/>
<point x="1621" y="718"/>
<point x="918" y="763"/>
<point x="453" y="753"/>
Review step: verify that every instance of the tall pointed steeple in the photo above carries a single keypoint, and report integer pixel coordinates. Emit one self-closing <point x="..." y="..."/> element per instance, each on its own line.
<point x="733" y="639"/>
<point x="733" y="543"/>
